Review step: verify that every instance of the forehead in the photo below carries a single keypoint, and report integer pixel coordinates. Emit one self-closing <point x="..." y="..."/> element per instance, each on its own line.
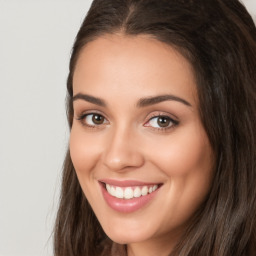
<point x="133" y="63"/>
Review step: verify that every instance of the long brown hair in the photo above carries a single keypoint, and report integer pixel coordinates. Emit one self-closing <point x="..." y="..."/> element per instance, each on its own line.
<point x="218" y="37"/>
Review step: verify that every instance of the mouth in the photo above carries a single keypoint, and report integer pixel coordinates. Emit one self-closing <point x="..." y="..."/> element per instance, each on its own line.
<point x="130" y="192"/>
<point x="128" y="196"/>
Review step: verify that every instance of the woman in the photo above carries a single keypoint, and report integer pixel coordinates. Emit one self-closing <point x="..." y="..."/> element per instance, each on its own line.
<point x="161" y="106"/>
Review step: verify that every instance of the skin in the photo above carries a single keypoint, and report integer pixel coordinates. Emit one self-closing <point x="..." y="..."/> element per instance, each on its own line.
<point x="130" y="145"/>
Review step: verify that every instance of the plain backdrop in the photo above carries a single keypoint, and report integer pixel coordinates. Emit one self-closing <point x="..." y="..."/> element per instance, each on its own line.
<point x="36" y="38"/>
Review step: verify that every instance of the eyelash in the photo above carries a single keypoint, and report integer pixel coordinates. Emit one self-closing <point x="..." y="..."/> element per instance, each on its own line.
<point x="82" y="118"/>
<point x="173" y="122"/>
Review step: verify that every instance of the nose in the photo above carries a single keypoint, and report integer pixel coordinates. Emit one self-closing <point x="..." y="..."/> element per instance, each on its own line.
<point x="122" y="152"/>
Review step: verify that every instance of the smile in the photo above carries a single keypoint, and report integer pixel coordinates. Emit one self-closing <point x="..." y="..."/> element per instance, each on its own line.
<point x="130" y="192"/>
<point x="128" y="196"/>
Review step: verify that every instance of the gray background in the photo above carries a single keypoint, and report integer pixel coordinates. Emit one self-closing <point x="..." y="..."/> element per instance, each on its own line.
<point x="35" y="42"/>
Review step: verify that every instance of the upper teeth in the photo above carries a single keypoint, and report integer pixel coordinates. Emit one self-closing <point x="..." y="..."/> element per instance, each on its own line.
<point x="130" y="192"/>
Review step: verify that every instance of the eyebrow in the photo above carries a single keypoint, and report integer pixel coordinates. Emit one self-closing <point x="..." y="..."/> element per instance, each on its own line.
<point x="89" y="98"/>
<point x="143" y="102"/>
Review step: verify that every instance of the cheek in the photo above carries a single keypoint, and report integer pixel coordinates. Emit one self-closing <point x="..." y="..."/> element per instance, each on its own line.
<point x="184" y="154"/>
<point x="186" y="161"/>
<point x="84" y="151"/>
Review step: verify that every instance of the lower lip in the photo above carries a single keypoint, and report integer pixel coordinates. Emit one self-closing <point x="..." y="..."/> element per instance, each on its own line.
<point x="127" y="205"/>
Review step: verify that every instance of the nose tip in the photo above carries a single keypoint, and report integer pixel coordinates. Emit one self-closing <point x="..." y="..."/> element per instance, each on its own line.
<point x="122" y="153"/>
<point x="120" y="162"/>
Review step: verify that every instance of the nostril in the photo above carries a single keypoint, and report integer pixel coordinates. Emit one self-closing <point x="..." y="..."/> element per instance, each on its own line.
<point x="123" y="161"/>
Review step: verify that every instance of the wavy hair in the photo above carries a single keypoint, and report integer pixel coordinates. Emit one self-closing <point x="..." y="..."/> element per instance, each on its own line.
<point x="218" y="37"/>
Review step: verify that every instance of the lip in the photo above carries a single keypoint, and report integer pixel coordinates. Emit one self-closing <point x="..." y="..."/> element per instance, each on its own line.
<point x="127" y="183"/>
<point x="127" y="205"/>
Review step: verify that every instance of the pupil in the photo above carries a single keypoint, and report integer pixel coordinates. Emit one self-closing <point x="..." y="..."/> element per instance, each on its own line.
<point x="163" y="121"/>
<point x="97" y="119"/>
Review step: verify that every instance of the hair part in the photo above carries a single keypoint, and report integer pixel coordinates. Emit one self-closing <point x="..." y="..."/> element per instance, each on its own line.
<point x="218" y="37"/>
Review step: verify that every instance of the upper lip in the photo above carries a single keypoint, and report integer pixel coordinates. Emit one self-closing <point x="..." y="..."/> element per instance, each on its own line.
<point x="127" y="183"/>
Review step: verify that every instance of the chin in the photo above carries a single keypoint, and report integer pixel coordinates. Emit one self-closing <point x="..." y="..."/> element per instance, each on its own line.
<point x="127" y="236"/>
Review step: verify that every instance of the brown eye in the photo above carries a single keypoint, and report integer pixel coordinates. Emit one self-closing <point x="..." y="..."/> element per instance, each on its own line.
<point x="163" y="121"/>
<point x="97" y="119"/>
<point x="93" y="119"/>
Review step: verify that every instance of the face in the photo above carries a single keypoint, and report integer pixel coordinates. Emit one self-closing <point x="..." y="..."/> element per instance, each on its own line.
<point x="139" y="149"/>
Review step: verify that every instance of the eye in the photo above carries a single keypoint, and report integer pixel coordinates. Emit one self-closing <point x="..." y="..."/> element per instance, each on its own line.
<point x="161" y="122"/>
<point x="94" y="119"/>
